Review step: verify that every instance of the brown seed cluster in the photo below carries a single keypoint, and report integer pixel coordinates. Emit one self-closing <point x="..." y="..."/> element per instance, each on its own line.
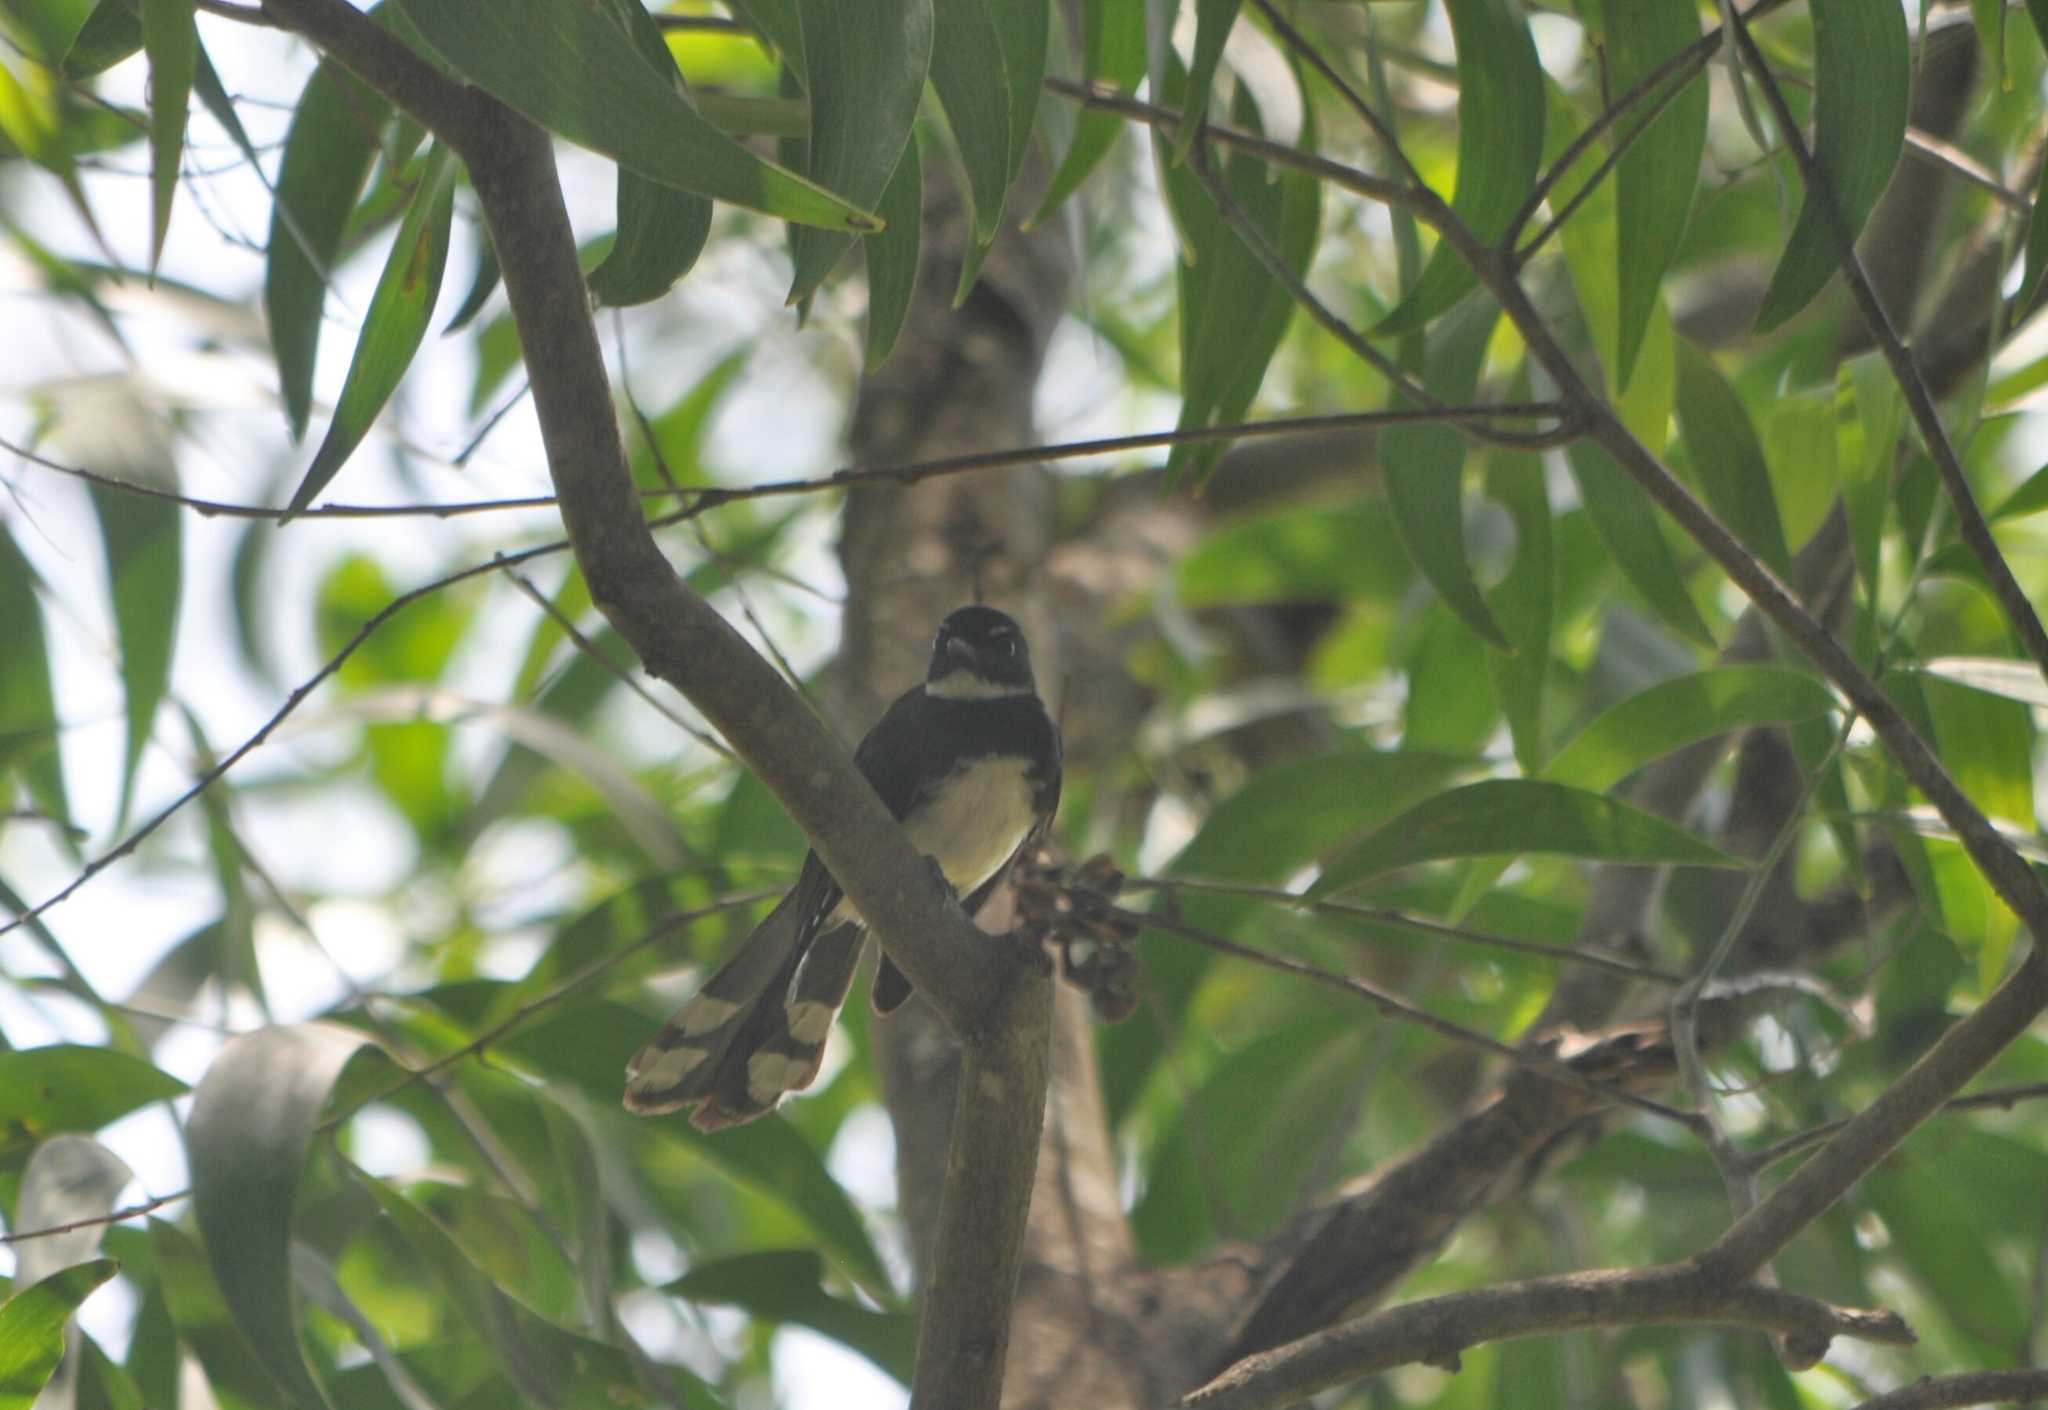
<point x="1074" y="909"/>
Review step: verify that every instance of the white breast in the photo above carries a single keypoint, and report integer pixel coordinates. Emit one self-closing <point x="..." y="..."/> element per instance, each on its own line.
<point x="976" y="820"/>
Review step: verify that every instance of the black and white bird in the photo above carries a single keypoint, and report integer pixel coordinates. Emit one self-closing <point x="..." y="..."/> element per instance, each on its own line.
<point x="969" y="762"/>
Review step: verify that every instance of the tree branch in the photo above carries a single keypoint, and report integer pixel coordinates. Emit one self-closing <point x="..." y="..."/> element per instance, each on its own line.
<point x="1435" y="1330"/>
<point x="992" y="996"/>
<point x="1970" y="521"/>
<point x="1970" y="1388"/>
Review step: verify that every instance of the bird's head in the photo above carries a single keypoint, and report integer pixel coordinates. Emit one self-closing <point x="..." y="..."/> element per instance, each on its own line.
<point x="979" y="654"/>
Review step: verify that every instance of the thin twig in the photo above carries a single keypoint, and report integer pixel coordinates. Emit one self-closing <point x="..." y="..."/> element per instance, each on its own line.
<point x="1537" y="1063"/>
<point x="622" y="674"/>
<point x="1969" y="1388"/>
<point x="1314" y="57"/>
<point x="1561" y="954"/>
<point x="1425" y="206"/>
<point x="708" y="497"/>
<point x="2004" y="1098"/>
<point x="209" y="776"/>
<point x="133" y="1211"/>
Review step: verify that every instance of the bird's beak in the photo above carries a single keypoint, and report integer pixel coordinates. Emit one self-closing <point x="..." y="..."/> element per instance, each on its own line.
<point x="961" y="647"/>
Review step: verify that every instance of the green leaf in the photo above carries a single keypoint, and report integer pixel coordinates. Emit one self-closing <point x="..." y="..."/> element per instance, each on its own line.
<point x="28" y="712"/>
<point x="1292" y="813"/>
<point x="865" y="63"/>
<point x="1517" y="815"/>
<point x="66" y="1087"/>
<point x="2036" y="242"/>
<point x="1214" y="20"/>
<point x="784" y="1285"/>
<point x="588" y="1043"/>
<point x="1500" y="146"/>
<point x="1626" y="521"/>
<point x="251" y="1127"/>
<point x="1862" y="90"/>
<point x="171" y="39"/>
<point x="1232" y="312"/>
<point x="1423" y="467"/>
<point x="1522" y="605"/>
<point x="892" y="256"/>
<point x="1986" y="740"/>
<point x="205" y="1326"/>
<point x="1298" y="555"/>
<point x="1656" y="179"/>
<point x="1674" y="713"/>
<point x="966" y="51"/>
<point x="145" y="566"/>
<point x="1727" y="460"/>
<point x="661" y="232"/>
<point x="549" y="1365"/>
<point x="1285" y="1089"/>
<point x="32" y="1329"/>
<point x="395" y="324"/>
<point x="1868" y="410"/>
<point x="327" y="157"/>
<point x="572" y="69"/>
<point x="110" y="34"/>
<point x="1112" y="52"/>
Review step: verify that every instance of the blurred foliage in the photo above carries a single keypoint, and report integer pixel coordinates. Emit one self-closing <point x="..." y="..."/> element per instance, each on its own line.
<point x="403" y="947"/>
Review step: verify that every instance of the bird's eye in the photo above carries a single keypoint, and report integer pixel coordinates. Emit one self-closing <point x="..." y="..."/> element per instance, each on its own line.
<point x="1008" y="645"/>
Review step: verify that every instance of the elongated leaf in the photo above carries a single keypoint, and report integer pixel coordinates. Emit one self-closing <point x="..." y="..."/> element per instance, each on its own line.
<point x="1626" y="522"/>
<point x="171" y="39"/>
<point x="1423" y="467"/>
<point x="1674" y="713"/>
<point x="966" y="51"/>
<point x="1655" y="181"/>
<point x="574" y="71"/>
<point x="1299" y="555"/>
<point x="1500" y="145"/>
<point x="1986" y="740"/>
<point x="1522" y="604"/>
<point x="1287" y="1087"/>
<point x="395" y="324"/>
<point x="68" y="1087"/>
<point x="1294" y="812"/>
<point x="1025" y="29"/>
<point x="28" y="712"/>
<point x="110" y="34"/>
<point x="1727" y="460"/>
<point x="327" y="157"/>
<point x="784" y="1286"/>
<point x="145" y="566"/>
<point x="865" y="66"/>
<point x="549" y="1365"/>
<point x="893" y="255"/>
<point x="588" y="1043"/>
<point x="1518" y="815"/>
<point x="1862" y="90"/>
<point x="192" y="1299"/>
<point x="1214" y="20"/>
<point x="71" y="1179"/>
<point x="246" y="1143"/>
<point x="32" y="1329"/>
<point x="1232" y="312"/>
<point x="661" y="232"/>
<point x="2036" y="242"/>
<point x="1112" y="52"/>
<point x="1868" y="410"/>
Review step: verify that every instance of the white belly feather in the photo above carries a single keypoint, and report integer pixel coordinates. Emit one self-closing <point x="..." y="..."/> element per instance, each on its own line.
<point x="971" y="824"/>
